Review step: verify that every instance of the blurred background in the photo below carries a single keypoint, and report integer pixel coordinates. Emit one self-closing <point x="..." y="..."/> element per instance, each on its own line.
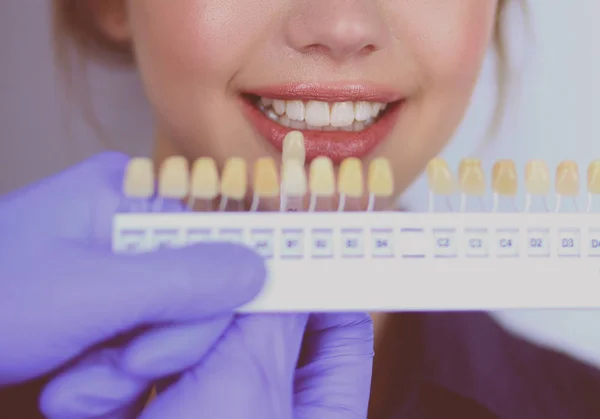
<point x="553" y="114"/>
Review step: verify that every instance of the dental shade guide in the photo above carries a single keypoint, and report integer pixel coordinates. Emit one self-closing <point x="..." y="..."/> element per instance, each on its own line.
<point x="593" y="184"/>
<point x="204" y="185"/>
<point x="380" y="182"/>
<point x="505" y="184"/>
<point x="234" y="185"/>
<point x="321" y="184"/>
<point x="173" y="181"/>
<point x="138" y="184"/>
<point x="377" y="261"/>
<point x="472" y="182"/>
<point x="566" y="183"/>
<point x="441" y="182"/>
<point x="537" y="183"/>
<point x="350" y="181"/>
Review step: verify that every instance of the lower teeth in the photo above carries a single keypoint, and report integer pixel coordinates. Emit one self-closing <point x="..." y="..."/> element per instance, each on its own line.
<point x="301" y="125"/>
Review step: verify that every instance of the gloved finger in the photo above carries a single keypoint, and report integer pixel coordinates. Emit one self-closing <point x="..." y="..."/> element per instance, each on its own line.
<point x="112" y="381"/>
<point x="249" y="373"/>
<point x="333" y="378"/>
<point x="117" y="293"/>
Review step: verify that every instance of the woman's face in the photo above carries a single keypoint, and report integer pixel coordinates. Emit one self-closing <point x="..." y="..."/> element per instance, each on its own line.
<point x="332" y="66"/>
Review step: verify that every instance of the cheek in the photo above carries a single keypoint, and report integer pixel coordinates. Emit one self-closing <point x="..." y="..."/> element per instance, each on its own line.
<point x="197" y="41"/>
<point x="450" y="38"/>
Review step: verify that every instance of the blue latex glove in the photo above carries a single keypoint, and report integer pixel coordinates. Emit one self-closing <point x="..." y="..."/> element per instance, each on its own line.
<point x="63" y="291"/>
<point x="77" y="295"/>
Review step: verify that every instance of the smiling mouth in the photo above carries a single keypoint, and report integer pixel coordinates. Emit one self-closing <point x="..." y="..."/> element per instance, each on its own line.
<point x="338" y="121"/>
<point x="312" y="115"/>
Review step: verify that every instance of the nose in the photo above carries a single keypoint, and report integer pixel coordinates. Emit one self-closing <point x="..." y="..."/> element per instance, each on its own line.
<point x="339" y="29"/>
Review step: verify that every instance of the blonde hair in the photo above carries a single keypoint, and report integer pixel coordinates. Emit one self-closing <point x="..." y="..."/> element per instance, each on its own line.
<point x="76" y="26"/>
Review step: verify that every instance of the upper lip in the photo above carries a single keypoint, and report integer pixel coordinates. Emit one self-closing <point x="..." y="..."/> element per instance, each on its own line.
<point x="329" y="92"/>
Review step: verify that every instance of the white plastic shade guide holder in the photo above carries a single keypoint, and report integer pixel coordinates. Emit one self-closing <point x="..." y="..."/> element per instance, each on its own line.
<point x="384" y="261"/>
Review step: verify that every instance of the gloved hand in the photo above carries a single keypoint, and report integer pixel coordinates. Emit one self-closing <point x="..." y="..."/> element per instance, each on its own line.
<point x="168" y="308"/>
<point x="63" y="292"/>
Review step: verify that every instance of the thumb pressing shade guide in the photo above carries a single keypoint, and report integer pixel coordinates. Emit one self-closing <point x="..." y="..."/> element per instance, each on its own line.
<point x="492" y="252"/>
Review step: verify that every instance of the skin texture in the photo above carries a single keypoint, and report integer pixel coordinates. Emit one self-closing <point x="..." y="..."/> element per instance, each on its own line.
<point x="197" y="56"/>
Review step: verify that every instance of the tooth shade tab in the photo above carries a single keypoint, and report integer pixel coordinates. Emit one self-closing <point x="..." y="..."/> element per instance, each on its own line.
<point x="234" y="179"/>
<point x="380" y="180"/>
<point x="350" y="178"/>
<point x="266" y="178"/>
<point x="567" y="179"/>
<point x="440" y="178"/>
<point x="139" y="179"/>
<point x="505" y="178"/>
<point x="293" y="179"/>
<point x="204" y="179"/>
<point x="322" y="177"/>
<point x="471" y="177"/>
<point x="593" y="177"/>
<point x="174" y="178"/>
<point x="293" y="147"/>
<point x="537" y="177"/>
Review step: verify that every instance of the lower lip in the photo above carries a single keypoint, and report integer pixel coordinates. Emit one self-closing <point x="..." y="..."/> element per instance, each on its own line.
<point x="337" y="145"/>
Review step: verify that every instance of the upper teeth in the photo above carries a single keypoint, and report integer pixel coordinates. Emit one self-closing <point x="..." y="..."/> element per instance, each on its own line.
<point x="323" y="114"/>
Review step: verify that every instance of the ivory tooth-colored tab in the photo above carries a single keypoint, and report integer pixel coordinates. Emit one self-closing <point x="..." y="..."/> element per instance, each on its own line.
<point x="139" y="179"/>
<point x="537" y="177"/>
<point x="293" y="147"/>
<point x="471" y="177"/>
<point x="593" y="177"/>
<point x="266" y="179"/>
<point x="204" y="179"/>
<point x="174" y="178"/>
<point x="293" y="178"/>
<point x="505" y="180"/>
<point x="380" y="180"/>
<point x="567" y="178"/>
<point x="234" y="179"/>
<point x="350" y="178"/>
<point x="322" y="177"/>
<point x="440" y="178"/>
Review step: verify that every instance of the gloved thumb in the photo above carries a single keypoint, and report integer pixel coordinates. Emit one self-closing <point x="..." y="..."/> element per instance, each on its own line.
<point x="249" y="373"/>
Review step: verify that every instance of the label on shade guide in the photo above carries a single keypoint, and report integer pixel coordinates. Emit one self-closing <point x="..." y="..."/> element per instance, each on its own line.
<point x="538" y="242"/>
<point x="133" y="241"/>
<point x="476" y="243"/>
<point x="169" y="238"/>
<point x="352" y="243"/>
<point x="322" y="243"/>
<point x="382" y="243"/>
<point x="445" y="245"/>
<point x="414" y="243"/>
<point x="262" y="242"/>
<point x="594" y="242"/>
<point x="292" y="244"/>
<point x="198" y="236"/>
<point x="569" y="242"/>
<point x="507" y="243"/>
<point x="232" y="235"/>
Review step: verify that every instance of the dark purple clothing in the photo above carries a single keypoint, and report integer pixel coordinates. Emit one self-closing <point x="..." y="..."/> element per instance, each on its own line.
<point x="459" y="365"/>
<point x="464" y="365"/>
